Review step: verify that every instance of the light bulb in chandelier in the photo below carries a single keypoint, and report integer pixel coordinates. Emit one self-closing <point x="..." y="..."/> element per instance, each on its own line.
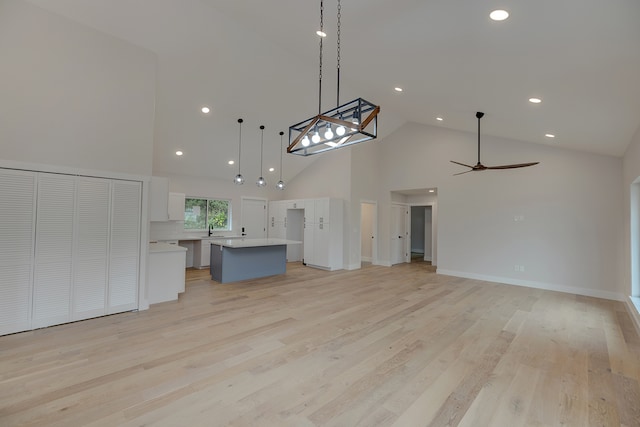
<point x="239" y="179"/>
<point x="261" y="182"/>
<point x="340" y="130"/>
<point x="328" y="134"/>
<point x="280" y="185"/>
<point x="315" y="138"/>
<point x="305" y="141"/>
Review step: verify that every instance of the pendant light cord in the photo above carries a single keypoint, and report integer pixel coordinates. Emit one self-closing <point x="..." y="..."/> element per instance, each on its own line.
<point x="478" y="140"/>
<point x="261" y="145"/>
<point x="338" y="42"/>
<point x="239" y="144"/>
<point x="281" y="133"/>
<point x="320" y="75"/>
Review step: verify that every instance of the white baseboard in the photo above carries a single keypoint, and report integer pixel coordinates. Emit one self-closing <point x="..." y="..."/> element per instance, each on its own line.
<point x="537" y="285"/>
<point x="633" y="307"/>
<point x="352" y="267"/>
<point x="428" y="258"/>
<point x="384" y="263"/>
<point x="366" y="259"/>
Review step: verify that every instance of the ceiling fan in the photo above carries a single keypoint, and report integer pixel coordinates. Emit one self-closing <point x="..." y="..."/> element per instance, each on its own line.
<point x="479" y="166"/>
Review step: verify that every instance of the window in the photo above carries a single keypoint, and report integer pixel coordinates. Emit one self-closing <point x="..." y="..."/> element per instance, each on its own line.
<point x="199" y="214"/>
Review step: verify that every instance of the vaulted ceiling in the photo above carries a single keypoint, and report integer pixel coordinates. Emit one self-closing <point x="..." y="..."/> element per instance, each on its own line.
<point x="258" y="60"/>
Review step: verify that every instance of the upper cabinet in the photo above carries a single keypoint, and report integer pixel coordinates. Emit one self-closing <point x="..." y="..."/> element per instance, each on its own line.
<point x="176" y="206"/>
<point x="165" y="206"/>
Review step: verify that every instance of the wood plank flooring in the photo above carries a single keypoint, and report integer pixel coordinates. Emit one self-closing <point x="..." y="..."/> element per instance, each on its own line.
<point x="380" y="346"/>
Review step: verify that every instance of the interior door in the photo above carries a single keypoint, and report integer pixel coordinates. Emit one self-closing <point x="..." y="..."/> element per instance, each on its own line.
<point x="254" y="218"/>
<point x="399" y="234"/>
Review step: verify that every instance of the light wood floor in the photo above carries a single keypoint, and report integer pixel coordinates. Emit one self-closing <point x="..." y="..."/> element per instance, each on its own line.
<point x="380" y="346"/>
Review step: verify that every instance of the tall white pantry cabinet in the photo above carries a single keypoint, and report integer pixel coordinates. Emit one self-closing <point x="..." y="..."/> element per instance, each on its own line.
<point x="69" y="249"/>
<point x="323" y="231"/>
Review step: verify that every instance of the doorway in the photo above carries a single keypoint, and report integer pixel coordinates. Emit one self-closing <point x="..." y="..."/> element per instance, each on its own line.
<point x="254" y="218"/>
<point x="421" y="233"/>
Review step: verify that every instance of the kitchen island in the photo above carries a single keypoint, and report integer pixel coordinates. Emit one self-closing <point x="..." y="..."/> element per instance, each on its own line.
<point x="241" y="259"/>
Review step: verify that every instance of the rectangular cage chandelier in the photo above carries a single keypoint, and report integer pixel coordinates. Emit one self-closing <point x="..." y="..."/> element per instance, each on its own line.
<point x="345" y="125"/>
<point x="348" y="124"/>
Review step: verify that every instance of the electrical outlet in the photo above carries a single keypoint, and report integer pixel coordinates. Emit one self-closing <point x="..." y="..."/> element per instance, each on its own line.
<point x="519" y="268"/>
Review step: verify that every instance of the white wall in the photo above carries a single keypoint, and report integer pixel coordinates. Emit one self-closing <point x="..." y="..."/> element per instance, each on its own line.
<point x="72" y="96"/>
<point x="631" y="224"/>
<point x="571" y="236"/>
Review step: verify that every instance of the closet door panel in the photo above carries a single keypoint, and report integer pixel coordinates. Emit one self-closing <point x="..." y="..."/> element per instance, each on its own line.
<point x="17" y="228"/>
<point x="54" y="249"/>
<point x="124" y="246"/>
<point x="92" y="248"/>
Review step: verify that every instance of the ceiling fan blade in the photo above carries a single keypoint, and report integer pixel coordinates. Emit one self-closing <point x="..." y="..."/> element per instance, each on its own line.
<point x="519" y="165"/>
<point x="461" y="173"/>
<point x="461" y="164"/>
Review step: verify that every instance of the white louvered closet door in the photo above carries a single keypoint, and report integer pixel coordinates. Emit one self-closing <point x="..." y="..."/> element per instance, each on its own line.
<point x="91" y="248"/>
<point x="17" y="234"/>
<point x="125" y="246"/>
<point x="54" y="250"/>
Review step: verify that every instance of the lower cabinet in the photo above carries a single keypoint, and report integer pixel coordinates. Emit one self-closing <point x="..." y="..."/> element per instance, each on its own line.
<point x="166" y="275"/>
<point x="202" y="254"/>
<point x="72" y="251"/>
<point x="323" y="237"/>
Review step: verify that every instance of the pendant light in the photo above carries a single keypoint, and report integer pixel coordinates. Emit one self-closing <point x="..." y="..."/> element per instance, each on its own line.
<point x="280" y="184"/>
<point x="353" y="122"/>
<point x="239" y="179"/>
<point x="261" y="182"/>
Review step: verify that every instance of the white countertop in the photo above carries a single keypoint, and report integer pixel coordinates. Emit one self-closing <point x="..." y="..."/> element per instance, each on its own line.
<point x="251" y="243"/>
<point x="165" y="247"/>
<point x="195" y="237"/>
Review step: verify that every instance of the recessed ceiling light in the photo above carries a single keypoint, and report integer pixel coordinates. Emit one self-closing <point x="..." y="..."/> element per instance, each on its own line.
<point x="271" y="169"/>
<point x="439" y="119"/>
<point x="321" y="33"/>
<point x="432" y="191"/>
<point x="231" y="162"/>
<point x="535" y="100"/>
<point x="205" y="110"/>
<point x="499" y="15"/>
<point x="398" y="89"/>
<point x="179" y="153"/>
<point x="549" y="135"/>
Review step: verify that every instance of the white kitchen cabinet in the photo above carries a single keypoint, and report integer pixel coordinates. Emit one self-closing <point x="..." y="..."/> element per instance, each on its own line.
<point x="176" y="206"/>
<point x="202" y="253"/>
<point x="323" y="233"/>
<point x="277" y="219"/>
<point x="166" y="272"/>
<point x="17" y="227"/>
<point x="163" y="205"/>
<point x="159" y="199"/>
